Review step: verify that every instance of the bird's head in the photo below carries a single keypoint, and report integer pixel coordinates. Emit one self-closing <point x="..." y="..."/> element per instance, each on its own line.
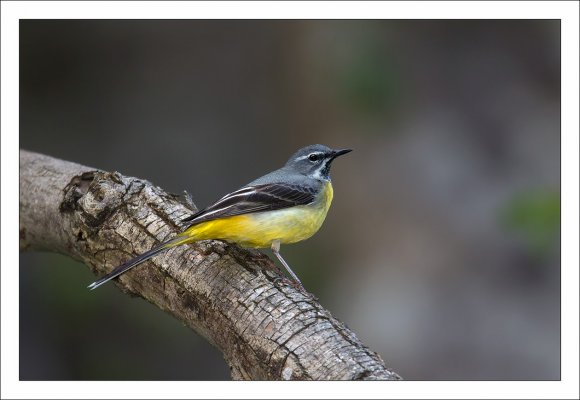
<point x="314" y="160"/>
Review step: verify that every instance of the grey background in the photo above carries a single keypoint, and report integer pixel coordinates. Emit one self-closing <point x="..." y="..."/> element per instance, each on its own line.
<point x="442" y="247"/>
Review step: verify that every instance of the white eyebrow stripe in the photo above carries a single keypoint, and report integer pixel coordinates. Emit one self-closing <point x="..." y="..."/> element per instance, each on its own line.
<point x="308" y="155"/>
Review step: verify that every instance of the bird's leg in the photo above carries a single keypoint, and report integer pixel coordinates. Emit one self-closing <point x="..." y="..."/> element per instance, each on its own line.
<point x="276" y="250"/>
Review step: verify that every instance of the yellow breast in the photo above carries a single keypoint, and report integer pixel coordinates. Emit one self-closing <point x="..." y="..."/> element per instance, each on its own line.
<point x="259" y="230"/>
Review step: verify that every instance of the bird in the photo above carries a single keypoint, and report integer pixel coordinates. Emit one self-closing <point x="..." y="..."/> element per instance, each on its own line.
<point x="285" y="206"/>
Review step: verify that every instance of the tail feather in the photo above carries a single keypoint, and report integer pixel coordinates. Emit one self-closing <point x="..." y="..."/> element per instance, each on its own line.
<point x="137" y="260"/>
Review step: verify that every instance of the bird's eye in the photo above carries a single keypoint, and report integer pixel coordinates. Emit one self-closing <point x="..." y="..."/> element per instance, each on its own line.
<point x="314" y="157"/>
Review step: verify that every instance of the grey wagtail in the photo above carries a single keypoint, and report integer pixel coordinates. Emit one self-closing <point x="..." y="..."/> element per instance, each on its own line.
<point x="284" y="206"/>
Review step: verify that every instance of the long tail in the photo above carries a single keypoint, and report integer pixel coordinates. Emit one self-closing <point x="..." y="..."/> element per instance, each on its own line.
<point x="138" y="260"/>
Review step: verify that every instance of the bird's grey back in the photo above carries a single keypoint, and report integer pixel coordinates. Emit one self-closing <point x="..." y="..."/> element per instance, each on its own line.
<point x="288" y="176"/>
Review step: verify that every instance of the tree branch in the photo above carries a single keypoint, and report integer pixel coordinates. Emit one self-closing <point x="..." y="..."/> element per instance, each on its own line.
<point x="265" y="328"/>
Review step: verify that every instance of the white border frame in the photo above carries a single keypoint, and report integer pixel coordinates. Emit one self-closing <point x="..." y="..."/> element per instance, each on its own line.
<point x="567" y="11"/>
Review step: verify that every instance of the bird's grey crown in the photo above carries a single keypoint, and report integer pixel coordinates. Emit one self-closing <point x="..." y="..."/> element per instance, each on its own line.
<point x="305" y="151"/>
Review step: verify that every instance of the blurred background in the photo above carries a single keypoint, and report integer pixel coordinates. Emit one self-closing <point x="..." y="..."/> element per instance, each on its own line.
<point x="442" y="247"/>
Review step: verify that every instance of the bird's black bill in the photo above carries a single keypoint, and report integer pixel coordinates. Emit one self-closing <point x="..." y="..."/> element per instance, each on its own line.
<point x="337" y="153"/>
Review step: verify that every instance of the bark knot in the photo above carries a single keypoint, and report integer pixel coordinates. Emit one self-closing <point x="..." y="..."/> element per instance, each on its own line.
<point x="94" y="196"/>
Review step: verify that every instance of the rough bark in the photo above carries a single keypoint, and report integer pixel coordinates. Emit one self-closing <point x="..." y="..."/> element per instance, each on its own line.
<point x="235" y="298"/>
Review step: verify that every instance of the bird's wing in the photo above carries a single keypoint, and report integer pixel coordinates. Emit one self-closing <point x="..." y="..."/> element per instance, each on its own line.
<point x="249" y="199"/>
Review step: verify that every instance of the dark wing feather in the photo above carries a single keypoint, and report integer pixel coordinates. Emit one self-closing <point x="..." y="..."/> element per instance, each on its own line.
<point x="267" y="197"/>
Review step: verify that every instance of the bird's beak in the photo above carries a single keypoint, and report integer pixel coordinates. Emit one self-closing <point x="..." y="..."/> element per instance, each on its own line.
<point x="336" y="153"/>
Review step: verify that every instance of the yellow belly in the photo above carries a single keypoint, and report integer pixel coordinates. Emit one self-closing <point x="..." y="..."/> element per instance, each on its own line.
<point x="259" y="230"/>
